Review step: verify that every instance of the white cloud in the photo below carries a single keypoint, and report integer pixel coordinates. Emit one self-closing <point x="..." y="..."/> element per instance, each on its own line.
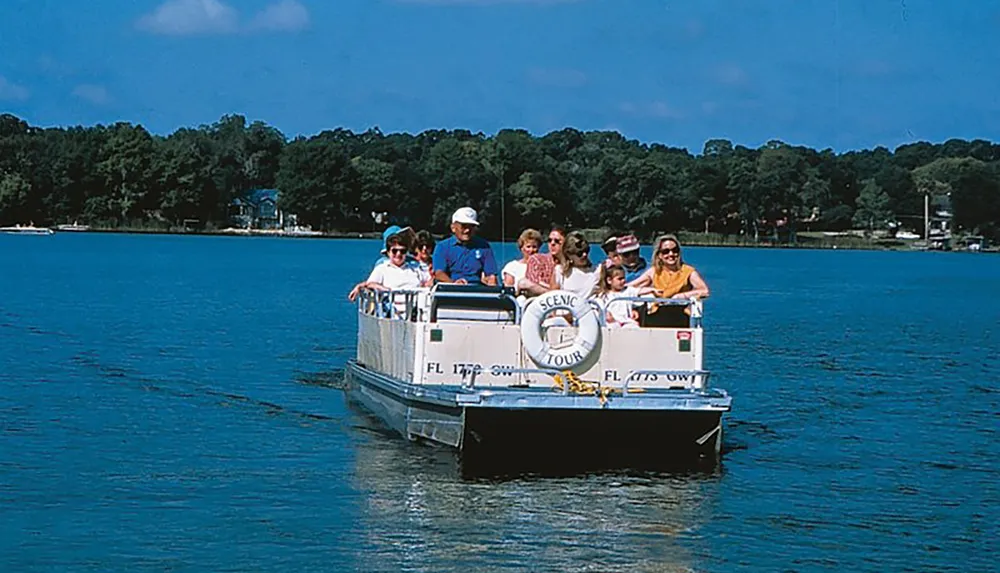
<point x="190" y="17"/>
<point x="11" y="91"/>
<point x="283" y="16"/>
<point x="93" y="93"/>
<point x="201" y="17"/>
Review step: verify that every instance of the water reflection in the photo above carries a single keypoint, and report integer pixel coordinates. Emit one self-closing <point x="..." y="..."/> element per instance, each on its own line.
<point x="426" y="510"/>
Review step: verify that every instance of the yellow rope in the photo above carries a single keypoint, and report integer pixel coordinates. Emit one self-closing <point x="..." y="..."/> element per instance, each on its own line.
<point x="577" y="386"/>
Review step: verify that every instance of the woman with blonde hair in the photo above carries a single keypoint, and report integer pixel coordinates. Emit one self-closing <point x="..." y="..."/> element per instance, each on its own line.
<point x="669" y="275"/>
<point x="528" y="243"/>
<point x="538" y="277"/>
<point x="573" y="270"/>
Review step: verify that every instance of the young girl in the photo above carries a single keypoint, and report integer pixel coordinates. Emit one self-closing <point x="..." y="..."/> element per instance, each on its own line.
<point x="620" y="313"/>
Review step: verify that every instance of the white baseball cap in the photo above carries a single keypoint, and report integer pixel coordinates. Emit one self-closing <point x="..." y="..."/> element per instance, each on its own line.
<point x="465" y="215"/>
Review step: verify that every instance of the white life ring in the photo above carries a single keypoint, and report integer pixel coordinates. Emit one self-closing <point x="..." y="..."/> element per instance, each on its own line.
<point x="584" y="317"/>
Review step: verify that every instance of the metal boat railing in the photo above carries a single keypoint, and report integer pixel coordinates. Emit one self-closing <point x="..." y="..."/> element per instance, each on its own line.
<point x="633" y="375"/>
<point x="423" y="305"/>
<point x="419" y="306"/>
<point x="408" y="304"/>
<point x="391" y="304"/>
<point x="695" y="305"/>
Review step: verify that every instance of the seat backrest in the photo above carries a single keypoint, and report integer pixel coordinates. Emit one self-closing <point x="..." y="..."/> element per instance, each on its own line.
<point x="473" y="303"/>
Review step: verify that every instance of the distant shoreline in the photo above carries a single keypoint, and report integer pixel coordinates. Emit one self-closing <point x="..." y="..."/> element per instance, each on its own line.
<point x="227" y="233"/>
<point x="804" y="240"/>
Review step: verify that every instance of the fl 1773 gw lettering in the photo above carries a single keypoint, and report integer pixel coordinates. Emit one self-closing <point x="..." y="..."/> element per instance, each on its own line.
<point x="463" y="369"/>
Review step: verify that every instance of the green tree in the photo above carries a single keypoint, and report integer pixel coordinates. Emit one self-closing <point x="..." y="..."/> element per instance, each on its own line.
<point x="319" y="184"/>
<point x="378" y="189"/>
<point x="121" y="174"/>
<point x="128" y="175"/>
<point x="14" y="196"/>
<point x="872" y="211"/>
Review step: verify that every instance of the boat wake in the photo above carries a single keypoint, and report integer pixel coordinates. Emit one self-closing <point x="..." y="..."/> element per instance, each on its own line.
<point x="330" y="379"/>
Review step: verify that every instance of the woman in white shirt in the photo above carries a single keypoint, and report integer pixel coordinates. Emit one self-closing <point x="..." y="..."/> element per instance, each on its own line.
<point x="396" y="273"/>
<point x="575" y="273"/>
<point x="529" y="242"/>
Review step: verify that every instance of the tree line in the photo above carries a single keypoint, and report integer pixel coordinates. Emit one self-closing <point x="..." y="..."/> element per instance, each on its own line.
<point x="121" y="175"/>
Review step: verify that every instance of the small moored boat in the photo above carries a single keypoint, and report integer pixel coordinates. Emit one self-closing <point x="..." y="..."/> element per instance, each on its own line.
<point x="26" y="230"/>
<point x="473" y="369"/>
<point x="301" y="231"/>
<point x="75" y="227"/>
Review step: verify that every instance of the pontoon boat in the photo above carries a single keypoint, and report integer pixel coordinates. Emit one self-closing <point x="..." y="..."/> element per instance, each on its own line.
<point x="476" y="369"/>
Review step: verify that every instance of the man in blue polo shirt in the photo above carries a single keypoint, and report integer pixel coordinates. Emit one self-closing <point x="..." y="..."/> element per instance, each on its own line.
<point x="465" y="258"/>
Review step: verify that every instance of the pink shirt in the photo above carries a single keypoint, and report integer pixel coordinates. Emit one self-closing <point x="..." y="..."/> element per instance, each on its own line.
<point x="540" y="269"/>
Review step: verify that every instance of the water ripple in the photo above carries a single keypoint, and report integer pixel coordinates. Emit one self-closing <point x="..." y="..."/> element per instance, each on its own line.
<point x="174" y="403"/>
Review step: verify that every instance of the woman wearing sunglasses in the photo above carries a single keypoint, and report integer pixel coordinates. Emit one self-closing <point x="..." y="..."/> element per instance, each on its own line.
<point x="575" y="272"/>
<point x="670" y="278"/>
<point x="423" y="251"/>
<point x="669" y="275"/>
<point x="398" y="272"/>
<point x="539" y="273"/>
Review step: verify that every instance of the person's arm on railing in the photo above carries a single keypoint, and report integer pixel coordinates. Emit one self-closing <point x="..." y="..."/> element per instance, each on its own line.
<point x="374" y="282"/>
<point x="365" y="284"/>
<point x="527" y="286"/>
<point x="699" y="288"/>
<point x="443" y="277"/>
<point x="490" y="270"/>
<point x="644" y="280"/>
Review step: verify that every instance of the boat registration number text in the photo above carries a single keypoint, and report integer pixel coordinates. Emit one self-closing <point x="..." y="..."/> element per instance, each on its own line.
<point x="610" y="375"/>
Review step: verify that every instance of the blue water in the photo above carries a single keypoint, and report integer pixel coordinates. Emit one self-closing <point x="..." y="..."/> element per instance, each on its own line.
<point x="172" y="404"/>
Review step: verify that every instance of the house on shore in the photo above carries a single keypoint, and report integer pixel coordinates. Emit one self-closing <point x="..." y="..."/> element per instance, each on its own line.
<point x="258" y="209"/>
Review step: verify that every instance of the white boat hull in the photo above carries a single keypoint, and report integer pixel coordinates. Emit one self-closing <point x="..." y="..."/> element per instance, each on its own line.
<point x="488" y="422"/>
<point x="26" y="230"/>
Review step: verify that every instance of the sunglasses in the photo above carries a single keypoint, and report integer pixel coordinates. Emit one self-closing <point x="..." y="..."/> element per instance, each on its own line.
<point x="555" y="241"/>
<point x="424" y="248"/>
<point x="398" y="251"/>
<point x="674" y="251"/>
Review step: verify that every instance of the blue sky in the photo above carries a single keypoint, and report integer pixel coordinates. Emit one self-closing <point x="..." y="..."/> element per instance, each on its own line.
<point x="846" y="75"/>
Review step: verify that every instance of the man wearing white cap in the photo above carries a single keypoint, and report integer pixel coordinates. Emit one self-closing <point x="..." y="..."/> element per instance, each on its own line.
<point x="465" y="258"/>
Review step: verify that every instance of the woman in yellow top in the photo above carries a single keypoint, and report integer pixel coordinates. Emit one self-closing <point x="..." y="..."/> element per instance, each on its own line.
<point x="669" y="275"/>
<point x="670" y="278"/>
